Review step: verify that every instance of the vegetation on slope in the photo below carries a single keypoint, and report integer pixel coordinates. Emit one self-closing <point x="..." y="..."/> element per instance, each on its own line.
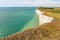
<point x="52" y="12"/>
<point x="49" y="31"/>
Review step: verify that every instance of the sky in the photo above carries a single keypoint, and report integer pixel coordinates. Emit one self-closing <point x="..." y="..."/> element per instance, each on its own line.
<point x="29" y="3"/>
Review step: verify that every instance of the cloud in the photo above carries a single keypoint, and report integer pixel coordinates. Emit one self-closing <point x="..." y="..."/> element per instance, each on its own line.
<point x="17" y="3"/>
<point x="50" y="3"/>
<point x="29" y="3"/>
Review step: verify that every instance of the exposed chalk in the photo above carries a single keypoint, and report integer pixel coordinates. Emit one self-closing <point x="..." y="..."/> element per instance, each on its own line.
<point x="43" y="18"/>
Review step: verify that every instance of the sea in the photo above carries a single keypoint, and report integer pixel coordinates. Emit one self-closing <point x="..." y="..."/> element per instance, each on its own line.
<point x="13" y="19"/>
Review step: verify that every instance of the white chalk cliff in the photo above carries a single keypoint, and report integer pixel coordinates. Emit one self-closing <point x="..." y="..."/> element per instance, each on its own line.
<point x="43" y="18"/>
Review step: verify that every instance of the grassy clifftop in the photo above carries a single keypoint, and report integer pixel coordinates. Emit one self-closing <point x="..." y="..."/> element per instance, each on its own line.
<point x="51" y="11"/>
<point x="49" y="31"/>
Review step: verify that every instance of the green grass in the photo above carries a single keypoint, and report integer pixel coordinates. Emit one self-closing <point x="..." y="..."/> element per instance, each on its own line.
<point x="53" y="12"/>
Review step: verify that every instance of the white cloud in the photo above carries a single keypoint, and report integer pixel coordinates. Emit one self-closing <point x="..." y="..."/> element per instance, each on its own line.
<point x="17" y="3"/>
<point x="29" y="3"/>
<point x="48" y="3"/>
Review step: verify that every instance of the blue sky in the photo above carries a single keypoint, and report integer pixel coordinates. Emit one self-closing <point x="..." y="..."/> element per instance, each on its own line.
<point x="29" y="3"/>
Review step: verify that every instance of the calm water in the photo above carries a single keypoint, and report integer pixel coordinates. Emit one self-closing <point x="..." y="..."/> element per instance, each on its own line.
<point x="13" y="19"/>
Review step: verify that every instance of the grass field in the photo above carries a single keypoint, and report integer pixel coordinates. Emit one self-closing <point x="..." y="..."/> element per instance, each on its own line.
<point x="52" y="12"/>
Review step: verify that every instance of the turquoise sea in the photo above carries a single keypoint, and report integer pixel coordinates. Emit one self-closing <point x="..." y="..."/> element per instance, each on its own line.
<point x="14" y="19"/>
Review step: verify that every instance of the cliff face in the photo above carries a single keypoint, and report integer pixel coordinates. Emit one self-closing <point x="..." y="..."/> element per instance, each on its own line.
<point x="43" y="18"/>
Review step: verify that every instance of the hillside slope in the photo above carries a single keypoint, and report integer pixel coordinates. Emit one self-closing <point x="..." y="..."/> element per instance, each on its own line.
<point x="49" y="31"/>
